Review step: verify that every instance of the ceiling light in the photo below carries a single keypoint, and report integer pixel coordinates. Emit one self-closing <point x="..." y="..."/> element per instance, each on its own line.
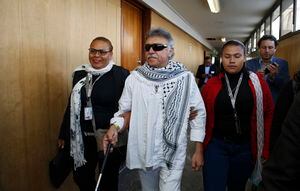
<point x="214" y="5"/>
<point x="223" y="39"/>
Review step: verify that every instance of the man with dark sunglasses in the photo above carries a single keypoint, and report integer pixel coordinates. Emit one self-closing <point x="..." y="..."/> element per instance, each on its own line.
<point x="159" y="95"/>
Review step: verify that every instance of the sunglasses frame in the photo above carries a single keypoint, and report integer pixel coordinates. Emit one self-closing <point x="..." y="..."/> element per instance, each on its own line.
<point x="155" y="47"/>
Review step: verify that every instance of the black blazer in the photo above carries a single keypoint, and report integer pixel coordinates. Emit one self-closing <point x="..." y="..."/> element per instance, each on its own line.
<point x="201" y="70"/>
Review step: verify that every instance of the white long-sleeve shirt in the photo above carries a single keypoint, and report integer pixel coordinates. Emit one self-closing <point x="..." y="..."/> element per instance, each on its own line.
<point x="144" y="98"/>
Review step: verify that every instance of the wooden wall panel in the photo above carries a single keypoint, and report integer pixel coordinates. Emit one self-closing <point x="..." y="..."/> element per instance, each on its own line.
<point x="41" y="42"/>
<point x="13" y="141"/>
<point x="35" y="109"/>
<point x="62" y="55"/>
<point x="187" y="50"/>
<point x="131" y="32"/>
<point x="289" y="49"/>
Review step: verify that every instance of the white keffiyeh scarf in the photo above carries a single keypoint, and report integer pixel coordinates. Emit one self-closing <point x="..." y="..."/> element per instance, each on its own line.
<point x="76" y="142"/>
<point x="176" y="97"/>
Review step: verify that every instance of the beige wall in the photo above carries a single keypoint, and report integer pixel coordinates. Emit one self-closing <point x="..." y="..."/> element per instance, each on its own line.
<point x="289" y="49"/>
<point x="187" y="50"/>
<point x="41" y="42"/>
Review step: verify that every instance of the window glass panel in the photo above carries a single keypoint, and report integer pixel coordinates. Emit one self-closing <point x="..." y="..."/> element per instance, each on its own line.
<point x="268" y="26"/>
<point x="287" y="17"/>
<point x="276" y="22"/>
<point x="262" y="30"/>
<point x="254" y="41"/>
<point x="298" y="15"/>
<point x="257" y="34"/>
<point x="249" y="46"/>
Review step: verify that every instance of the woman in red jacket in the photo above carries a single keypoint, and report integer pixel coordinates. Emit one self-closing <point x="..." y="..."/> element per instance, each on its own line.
<point x="239" y="110"/>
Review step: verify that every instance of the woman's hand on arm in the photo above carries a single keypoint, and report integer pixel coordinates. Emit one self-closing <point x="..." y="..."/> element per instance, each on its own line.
<point x="193" y="113"/>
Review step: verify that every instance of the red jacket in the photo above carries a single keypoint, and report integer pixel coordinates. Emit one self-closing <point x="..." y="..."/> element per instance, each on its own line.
<point x="209" y="94"/>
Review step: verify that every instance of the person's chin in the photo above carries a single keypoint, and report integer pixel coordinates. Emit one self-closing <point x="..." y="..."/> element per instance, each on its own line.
<point x="232" y="70"/>
<point x="98" y="65"/>
<point x="267" y="57"/>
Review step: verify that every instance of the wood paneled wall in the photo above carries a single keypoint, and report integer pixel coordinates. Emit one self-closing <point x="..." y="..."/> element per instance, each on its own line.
<point x="289" y="49"/>
<point x="41" y="42"/>
<point x="187" y="50"/>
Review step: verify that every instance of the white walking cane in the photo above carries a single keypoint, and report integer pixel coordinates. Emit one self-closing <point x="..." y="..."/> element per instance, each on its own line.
<point x="103" y="165"/>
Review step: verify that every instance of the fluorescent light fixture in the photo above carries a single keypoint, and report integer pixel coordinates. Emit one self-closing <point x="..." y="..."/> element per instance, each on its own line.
<point x="223" y="39"/>
<point x="214" y="5"/>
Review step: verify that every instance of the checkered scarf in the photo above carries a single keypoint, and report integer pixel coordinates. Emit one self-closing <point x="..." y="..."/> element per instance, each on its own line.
<point x="175" y="102"/>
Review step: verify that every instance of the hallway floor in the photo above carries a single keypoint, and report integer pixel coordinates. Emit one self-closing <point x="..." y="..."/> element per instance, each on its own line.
<point x="191" y="180"/>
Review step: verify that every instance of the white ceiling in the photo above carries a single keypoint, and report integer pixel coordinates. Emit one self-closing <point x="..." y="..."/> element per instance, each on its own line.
<point x="236" y="20"/>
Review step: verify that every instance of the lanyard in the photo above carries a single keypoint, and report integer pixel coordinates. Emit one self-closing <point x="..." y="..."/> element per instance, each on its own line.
<point x="89" y="84"/>
<point x="233" y="99"/>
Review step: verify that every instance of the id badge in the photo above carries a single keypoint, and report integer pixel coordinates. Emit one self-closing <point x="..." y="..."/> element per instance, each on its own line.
<point x="88" y="113"/>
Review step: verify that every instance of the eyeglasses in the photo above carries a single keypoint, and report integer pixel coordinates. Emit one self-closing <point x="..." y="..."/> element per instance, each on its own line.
<point x="155" y="47"/>
<point x="102" y="52"/>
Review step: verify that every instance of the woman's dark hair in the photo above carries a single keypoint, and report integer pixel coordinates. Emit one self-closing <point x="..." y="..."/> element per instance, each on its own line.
<point x="234" y="43"/>
<point x="101" y="38"/>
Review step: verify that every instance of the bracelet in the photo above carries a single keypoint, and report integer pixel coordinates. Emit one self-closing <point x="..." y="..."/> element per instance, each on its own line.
<point x="117" y="127"/>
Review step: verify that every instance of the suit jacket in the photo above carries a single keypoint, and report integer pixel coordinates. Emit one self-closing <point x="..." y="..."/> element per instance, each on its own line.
<point x="280" y="79"/>
<point x="201" y="70"/>
<point x="282" y="170"/>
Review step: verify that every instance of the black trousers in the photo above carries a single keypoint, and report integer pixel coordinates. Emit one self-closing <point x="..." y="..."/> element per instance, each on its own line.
<point x="85" y="176"/>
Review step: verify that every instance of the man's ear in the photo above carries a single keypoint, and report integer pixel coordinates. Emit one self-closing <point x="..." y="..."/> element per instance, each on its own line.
<point x="171" y="53"/>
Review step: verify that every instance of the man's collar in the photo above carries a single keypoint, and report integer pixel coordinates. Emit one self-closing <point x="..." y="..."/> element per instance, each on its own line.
<point x="261" y="60"/>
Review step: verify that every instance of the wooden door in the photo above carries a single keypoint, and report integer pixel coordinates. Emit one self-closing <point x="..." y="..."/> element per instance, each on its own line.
<point x="131" y="35"/>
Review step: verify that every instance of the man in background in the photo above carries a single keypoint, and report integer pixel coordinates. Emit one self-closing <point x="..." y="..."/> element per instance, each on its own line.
<point x="275" y="70"/>
<point x="205" y="71"/>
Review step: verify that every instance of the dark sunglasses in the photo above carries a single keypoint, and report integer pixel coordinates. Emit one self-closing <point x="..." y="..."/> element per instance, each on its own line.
<point x="155" y="47"/>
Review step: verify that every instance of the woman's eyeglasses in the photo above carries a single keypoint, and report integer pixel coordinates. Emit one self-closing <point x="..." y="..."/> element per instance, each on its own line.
<point x="155" y="47"/>
<point x="102" y="52"/>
